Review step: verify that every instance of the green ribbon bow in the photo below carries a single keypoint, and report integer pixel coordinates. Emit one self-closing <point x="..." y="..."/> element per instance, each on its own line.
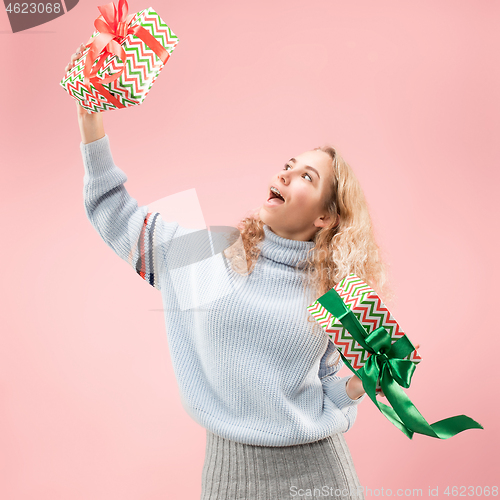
<point x="387" y="364"/>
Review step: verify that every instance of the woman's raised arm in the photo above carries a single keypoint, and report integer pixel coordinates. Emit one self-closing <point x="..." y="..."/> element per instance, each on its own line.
<point x="91" y="126"/>
<point x="132" y="231"/>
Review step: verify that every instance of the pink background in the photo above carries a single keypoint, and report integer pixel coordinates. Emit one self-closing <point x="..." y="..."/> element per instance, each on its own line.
<point x="409" y="94"/>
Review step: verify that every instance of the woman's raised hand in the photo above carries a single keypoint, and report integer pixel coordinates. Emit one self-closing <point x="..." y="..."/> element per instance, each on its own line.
<point x="91" y="126"/>
<point x="74" y="57"/>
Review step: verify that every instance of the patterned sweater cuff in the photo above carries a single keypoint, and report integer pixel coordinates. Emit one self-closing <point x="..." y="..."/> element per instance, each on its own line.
<point x="336" y="390"/>
<point x="97" y="157"/>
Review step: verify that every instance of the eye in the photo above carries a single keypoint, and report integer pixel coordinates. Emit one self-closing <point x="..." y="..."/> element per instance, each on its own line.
<point x="288" y="165"/>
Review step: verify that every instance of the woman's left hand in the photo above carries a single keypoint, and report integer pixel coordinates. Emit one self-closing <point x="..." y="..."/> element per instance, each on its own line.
<point x="354" y="387"/>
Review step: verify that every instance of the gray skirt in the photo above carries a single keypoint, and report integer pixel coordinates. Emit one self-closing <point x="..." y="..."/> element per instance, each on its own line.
<point x="237" y="471"/>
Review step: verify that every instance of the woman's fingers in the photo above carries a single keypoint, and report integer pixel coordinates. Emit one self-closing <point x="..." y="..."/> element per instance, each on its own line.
<point x="75" y="56"/>
<point x="71" y="61"/>
<point x="80" y="48"/>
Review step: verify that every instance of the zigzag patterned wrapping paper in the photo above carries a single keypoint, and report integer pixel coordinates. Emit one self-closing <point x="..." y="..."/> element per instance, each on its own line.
<point x="371" y="313"/>
<point x="142" y="67"/>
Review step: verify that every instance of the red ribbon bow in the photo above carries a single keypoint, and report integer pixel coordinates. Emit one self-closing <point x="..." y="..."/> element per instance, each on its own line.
<point x="113" y="26"/>
<point x="121" y="29"/>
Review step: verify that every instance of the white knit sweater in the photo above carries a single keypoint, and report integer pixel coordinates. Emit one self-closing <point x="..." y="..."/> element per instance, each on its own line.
<point x="249" y="365"/>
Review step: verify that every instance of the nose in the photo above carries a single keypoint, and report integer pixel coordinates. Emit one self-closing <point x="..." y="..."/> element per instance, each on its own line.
<point x="283" y="177"/>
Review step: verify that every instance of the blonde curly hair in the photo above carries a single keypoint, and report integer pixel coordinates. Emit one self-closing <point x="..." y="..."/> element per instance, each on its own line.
<point x="347" y="245"/>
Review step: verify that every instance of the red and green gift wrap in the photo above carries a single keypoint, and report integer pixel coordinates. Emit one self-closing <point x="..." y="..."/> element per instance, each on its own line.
<point x="122" y="59"/>
<point x="375" y="348"/>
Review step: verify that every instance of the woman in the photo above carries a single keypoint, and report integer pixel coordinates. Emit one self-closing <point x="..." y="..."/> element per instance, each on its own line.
<point x="253" y="368"/>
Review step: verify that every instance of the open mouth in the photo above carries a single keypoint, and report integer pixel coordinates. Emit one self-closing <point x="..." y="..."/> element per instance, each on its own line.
<point x="275" y="196"/>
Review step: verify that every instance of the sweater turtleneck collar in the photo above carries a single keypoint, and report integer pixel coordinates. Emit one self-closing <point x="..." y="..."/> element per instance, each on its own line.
<point x="283" y="250"/>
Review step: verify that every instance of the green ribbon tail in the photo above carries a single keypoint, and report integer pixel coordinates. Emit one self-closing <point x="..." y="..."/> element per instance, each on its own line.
<point x="369" y="380"/>
<point x="414" y="420"/>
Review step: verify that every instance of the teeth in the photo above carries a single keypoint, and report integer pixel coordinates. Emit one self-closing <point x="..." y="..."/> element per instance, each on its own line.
<point x="277" y="192"/>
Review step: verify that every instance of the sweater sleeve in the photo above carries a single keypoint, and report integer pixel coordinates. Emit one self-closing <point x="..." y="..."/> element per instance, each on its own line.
<point x="334" y="387"/>
<point x="132" y="232"/>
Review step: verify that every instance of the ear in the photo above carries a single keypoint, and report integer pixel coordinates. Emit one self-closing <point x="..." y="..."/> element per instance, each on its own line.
<point x="323" y="221"/>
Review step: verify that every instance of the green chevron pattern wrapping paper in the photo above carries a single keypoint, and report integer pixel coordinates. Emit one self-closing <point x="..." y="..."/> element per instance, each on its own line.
<point x="370" y="312"/>
<point x="376" y="349"/>
<point x="142" y="67"/>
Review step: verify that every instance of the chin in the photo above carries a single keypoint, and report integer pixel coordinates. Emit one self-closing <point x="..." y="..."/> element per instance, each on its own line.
<point x="263" y="215"/>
